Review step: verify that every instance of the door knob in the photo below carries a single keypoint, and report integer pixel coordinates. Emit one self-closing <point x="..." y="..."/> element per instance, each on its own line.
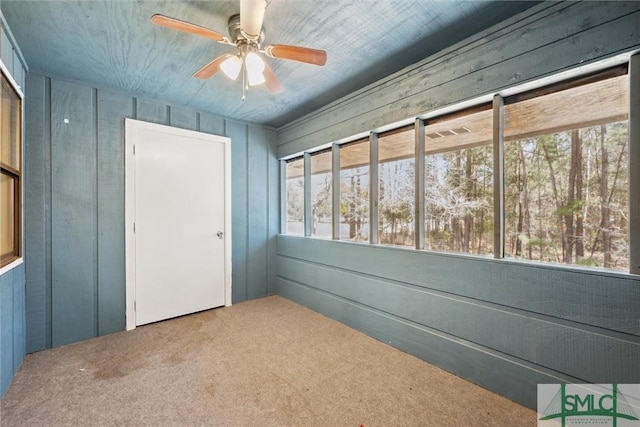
<point x="220" y="234"/>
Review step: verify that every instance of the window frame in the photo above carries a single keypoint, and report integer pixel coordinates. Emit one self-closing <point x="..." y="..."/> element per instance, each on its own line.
<point x="549" y="89"/>
<point x="578" y="77"/>
<point x="15" y="256"/>
<point x="285" y="195"/>
<point x="423" y="151"/>
<point x="313" y="231"/>
<point x="338" y="167"/>
<point x="380" y="147"/>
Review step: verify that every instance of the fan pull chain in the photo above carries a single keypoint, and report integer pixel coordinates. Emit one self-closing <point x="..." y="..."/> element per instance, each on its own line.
<point x="245" y="87"/>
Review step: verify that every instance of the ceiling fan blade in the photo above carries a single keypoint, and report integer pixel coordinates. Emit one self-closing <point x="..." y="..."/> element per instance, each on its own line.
<point x="296" y="53"/>
<point x="252" y="17"/>
<point x="187" y="27"/>
<point x="211" y="68"/>
<point x="271" y="80"/>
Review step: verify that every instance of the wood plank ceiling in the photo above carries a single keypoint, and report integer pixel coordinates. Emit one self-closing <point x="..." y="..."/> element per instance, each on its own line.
<point x="112" y="44"/>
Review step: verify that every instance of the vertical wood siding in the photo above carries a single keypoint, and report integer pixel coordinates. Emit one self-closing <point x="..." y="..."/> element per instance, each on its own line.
<point x="505" y="325"/>
<point x="12" y="325"/>
<point x="110" y="178"/>
<point x="239" y="148"/>
<point x="75" y="205"/>
<point x="257" y="214"/>
<point x="12" y="283"/>
<point x="73" y="213"/>
<point x="273" y="213"/>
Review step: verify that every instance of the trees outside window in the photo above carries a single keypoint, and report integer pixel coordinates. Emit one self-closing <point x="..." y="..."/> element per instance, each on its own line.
<point x="321" y="225"/>
<point x="396" y="205"/>
<point x="566" y="176"/>
<point x="459" y="182"/>
<point x="354" y="191"/>
<point x="295" y="196"/>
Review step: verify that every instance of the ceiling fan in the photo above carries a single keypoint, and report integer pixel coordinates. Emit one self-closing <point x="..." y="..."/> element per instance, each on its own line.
<point x="247" y="34"/>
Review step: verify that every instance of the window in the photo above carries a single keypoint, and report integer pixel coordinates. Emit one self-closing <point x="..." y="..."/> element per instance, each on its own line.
<point x="566" y="174"/>
<point x="321" y="225"/>
<point x="354" y="191"/>
<point x="10" y="173"/>
<point x="459" y="182"/>
<point x="396" y="206"/>
<point x="295" y="196"/>
<point x="563" y="179"/>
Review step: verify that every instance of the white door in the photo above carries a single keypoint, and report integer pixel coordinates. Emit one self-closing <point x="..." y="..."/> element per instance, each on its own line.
<point x="179" y="221"/>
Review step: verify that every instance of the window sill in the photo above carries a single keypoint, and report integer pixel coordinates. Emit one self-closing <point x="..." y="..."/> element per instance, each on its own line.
<point x="572" y="268"/>
<point x="11" y="266"/>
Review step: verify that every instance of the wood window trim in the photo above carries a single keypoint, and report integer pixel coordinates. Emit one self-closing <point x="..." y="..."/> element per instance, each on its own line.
<point x="9" y="257"/>
<point x="15" y="174"/>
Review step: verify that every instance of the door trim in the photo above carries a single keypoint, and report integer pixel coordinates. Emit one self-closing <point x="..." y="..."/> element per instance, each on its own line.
<point x="131" y="127"/>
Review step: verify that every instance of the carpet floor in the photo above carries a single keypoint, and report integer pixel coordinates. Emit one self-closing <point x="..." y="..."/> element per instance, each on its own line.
<point x="266" y="362"/>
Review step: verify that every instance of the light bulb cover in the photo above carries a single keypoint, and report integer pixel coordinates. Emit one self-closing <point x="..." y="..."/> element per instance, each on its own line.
<point x="231" y="67"/>
<point x="255" y="68"/>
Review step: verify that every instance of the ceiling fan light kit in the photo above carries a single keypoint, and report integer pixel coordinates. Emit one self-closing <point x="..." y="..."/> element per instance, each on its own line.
<point x="255" y="67"/>
<point x="231" y="67"/>
<point x="247" y="35"/>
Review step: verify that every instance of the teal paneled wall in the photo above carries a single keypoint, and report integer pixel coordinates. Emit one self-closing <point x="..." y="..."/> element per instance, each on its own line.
<point x="12" y="325"/>
<point x="11" y="56"/>
<point x="12" y="282"/>
<point x="74" y="205"/>
<point x="505" y="325"/>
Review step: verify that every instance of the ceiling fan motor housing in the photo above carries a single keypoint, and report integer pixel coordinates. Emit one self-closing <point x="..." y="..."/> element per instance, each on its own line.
<point x="239" y="38"/>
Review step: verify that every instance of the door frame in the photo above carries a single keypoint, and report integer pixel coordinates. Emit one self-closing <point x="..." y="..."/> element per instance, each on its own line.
<point x="131" y="128"/>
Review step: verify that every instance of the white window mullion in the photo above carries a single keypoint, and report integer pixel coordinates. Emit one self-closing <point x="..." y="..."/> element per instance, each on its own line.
<point x="419" y="196"/>
<point x="374" y="185"/>
<point x="283" y="197"/>
<point x="307" y="194"/>
<point x="634" y="164"/>
<point x="335" y="191"/>
<point x="498" y="177"/>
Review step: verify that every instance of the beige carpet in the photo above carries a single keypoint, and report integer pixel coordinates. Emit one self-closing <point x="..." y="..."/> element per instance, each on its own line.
<point x="267" y="362"/>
